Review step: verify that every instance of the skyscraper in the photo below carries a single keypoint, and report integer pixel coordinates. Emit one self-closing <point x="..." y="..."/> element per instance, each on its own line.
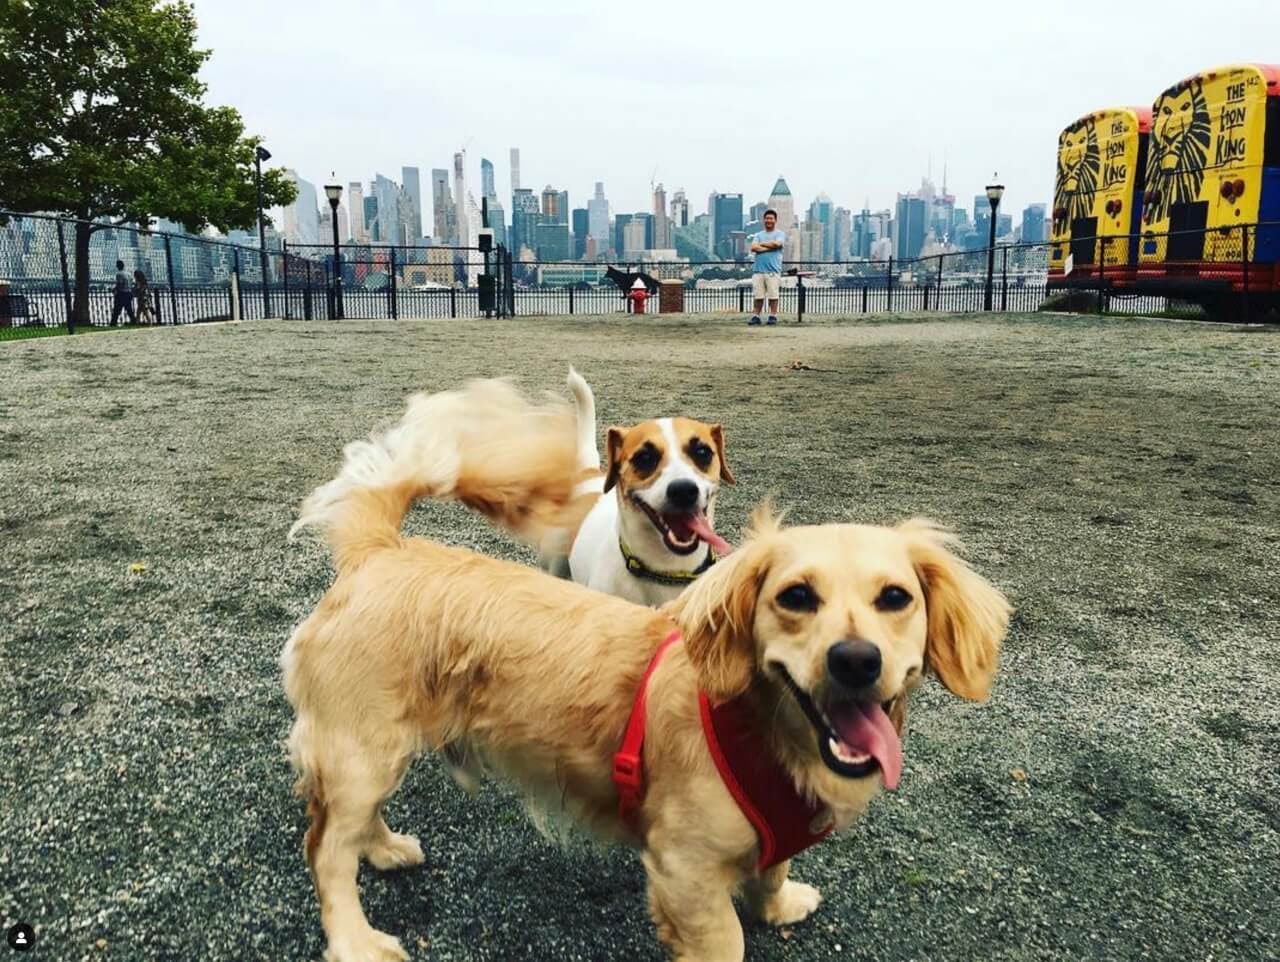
<point x="679" y="209"/>
<point x="909" y="226"/>
<point x="413" y="187"/>
<point x="515" y="169"/>
<point x="524" y="219"/>
<point x="462" y="221"/>
<point x="841" y="229"/>
<point x="598" y="218"/>
<point x="581" y="230"/>
<point x="302" y="217"/>
<point x="441" y="206"/>
<point x="780" y="199"/>
<point x="821" y="212"/>
<point x="486" y="178"/>
<point x="619" y="226"/>
<point x="355" y="201"/>
<point x="661" y="226"/>
<point x="387" y="192"/>
<point x="726" y="218"/>
<point x="371" y="218"/>
<point x="1033" y="224"/>
<point x="552" y="241"/>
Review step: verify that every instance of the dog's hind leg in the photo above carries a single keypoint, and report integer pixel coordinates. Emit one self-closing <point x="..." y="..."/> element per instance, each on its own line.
<point x="778" y="901"/>
<point x="348" y="782"/>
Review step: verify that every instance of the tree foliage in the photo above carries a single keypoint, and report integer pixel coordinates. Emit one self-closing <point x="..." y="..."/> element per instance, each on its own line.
<point x="102" y="116"/>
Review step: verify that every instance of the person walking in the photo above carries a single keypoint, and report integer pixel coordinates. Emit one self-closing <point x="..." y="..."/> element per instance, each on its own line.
<point x="766" y="277"/>
<point x="142" y="291"/>
<point x="124" y="296"/>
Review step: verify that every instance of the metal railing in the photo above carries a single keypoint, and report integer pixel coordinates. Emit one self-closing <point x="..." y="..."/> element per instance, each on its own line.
<point x="1231" y="273"/>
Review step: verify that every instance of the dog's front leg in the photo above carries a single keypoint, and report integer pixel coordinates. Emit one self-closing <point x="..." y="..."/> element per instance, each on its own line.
<point x="778" y="901"/>
<point x="692" y="904"/>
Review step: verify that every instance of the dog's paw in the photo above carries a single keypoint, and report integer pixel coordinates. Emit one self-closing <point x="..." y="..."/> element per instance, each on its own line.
<point x="394" y="851"/>
<point x="369" y="946"/>
<point x="791" y="903"/>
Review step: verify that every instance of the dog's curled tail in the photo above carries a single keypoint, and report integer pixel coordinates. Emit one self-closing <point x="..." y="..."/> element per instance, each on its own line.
<point x="584" y="403"/>
<point x="485" y="444"/>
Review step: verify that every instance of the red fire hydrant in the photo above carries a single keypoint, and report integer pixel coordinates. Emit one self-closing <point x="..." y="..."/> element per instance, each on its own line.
<point x="638" y="294"/>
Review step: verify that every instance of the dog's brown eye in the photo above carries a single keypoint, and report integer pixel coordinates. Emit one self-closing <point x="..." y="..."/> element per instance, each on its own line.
<point x="645" y="460"/>
<point x="892" y="598"/>
<point x="798" y="598"/>
<point x="700" y="453"/>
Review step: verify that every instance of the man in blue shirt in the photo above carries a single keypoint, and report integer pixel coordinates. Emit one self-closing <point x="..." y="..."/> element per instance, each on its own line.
<point x="767" y="275"/>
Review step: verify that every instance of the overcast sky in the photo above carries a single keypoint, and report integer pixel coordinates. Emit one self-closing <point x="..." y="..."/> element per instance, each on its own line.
<point x="848" y="98"/>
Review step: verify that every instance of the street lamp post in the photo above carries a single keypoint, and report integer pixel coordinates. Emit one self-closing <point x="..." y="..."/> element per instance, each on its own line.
<point x="334" y="193"/>
<point x="259" y="155"/>
<point x="994" y="193"/>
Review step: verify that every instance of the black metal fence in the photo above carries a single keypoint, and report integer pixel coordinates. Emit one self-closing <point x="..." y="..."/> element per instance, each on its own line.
<point x="1229" y="273"/>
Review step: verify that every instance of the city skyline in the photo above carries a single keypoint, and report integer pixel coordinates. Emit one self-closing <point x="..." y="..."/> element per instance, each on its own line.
<point x="838" y="113"/>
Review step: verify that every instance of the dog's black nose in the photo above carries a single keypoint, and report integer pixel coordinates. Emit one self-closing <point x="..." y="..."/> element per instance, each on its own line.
<point x="854" y="664"/>
<point x="683" y="495"/>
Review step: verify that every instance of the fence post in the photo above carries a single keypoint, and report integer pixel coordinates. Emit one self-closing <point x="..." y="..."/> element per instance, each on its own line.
<point x="66" y="280"/>
<point x="742" y="294"/>
<point x="570" y="298"/>
<point x="391" y="291"/>
<point x="864" y="297"/>
<point x="284" y="279"/>
<point x="453" y="302"/>
<point x="1244" y="269"/>
<point x="329" y="299"/>
<point x="799" y="299"/>
<point x="889" y="286"/>
<point x="173" y="281"/>
<point x="941" y="259"/>
<point x="1004" y="279"/>
<point x="235" y="251"/>
<point x="306" y="293"/>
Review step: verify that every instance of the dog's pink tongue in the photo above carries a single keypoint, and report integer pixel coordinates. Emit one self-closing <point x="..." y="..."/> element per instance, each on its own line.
<point x="702" y="528"/>
<point x="867" y="730"/>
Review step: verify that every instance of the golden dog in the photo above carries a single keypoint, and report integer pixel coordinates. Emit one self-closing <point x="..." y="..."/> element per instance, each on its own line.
<point x="419" y="646"/>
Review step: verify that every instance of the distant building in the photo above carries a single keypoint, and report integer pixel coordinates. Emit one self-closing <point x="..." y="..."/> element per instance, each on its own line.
<point x="620" y="223"/>
<point x="679" y="209"/>
<point x="552" y="241"/>
<point x="841" y="231"/>
<point x="780" y="199"/>
<point x="524" y="220"/>
<point x="726" y="217"/>
<point x="515" y="169"/>
<point x="598" y="219"/>
<point x="387" y="192"/>
<point x="661" y="229"/>
<point x="486" y="178"/>
<point x="581" y="231"/>
<point x="633" y="238"/>
<point x="355" y="202"/>
<point x="909" y="226"/>
<point x="1033" y="231"/>
<point x="302" y="217"/>
<point x="413" y="187"/>
<point x="442" y="207"/>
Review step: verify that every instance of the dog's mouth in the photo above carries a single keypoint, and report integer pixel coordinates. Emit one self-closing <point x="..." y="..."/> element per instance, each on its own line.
<point x="682" y="532"/>
<point x="855" y="739"/>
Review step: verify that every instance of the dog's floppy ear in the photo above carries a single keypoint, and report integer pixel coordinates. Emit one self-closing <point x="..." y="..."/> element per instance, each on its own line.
<point x="717" y="435"/>
<point x="967" y="615"/>
<point x="716" y="615"/>
<point x="613" y="454"/>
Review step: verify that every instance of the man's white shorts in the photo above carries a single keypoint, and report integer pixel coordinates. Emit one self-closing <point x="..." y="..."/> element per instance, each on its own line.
<point x="765" y="285"/>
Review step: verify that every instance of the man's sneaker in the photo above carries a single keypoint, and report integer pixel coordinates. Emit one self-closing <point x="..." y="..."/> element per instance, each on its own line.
<point x="772" y="320"/>
<point x="755" y="321"/>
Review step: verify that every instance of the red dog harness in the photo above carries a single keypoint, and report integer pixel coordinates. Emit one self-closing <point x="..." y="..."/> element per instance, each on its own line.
<point x="785" y="822"/>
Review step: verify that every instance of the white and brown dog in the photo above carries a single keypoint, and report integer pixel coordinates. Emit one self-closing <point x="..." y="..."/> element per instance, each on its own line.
<point x="657" y="533"/>
<point x="642" y="528"/>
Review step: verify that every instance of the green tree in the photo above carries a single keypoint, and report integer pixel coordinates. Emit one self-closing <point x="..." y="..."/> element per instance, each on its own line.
<point x="102" y="117"/>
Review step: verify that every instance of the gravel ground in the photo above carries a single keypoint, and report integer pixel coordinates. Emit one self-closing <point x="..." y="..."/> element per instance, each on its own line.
<point x="1116" y="799"/>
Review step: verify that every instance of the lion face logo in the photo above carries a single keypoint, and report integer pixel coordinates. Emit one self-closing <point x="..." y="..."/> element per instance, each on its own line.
<point x="1178" y="150"/>
<point x="1079" y="164"/>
